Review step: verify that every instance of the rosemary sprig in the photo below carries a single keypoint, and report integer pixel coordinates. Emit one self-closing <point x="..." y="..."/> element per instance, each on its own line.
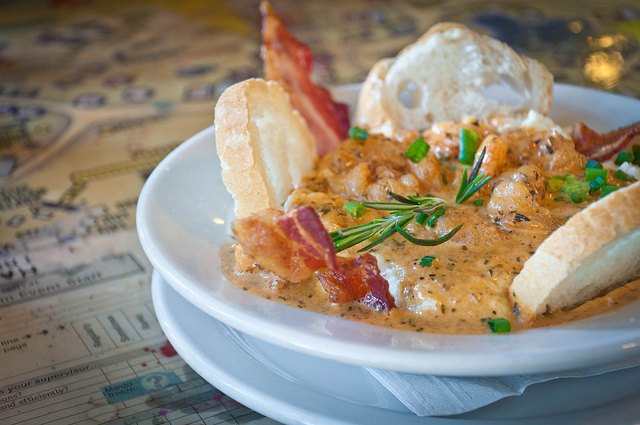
<point x="471" y="185"/>
<point x="422" y="209"/>
<point x="401" y="213"/>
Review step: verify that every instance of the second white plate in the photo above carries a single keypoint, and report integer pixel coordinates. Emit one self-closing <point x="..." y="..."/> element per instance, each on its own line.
<point x="294" y="388"/>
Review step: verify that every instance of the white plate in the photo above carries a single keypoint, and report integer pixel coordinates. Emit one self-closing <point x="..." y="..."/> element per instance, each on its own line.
<point x="184" y="214"/>
<point x="295" y="388"/>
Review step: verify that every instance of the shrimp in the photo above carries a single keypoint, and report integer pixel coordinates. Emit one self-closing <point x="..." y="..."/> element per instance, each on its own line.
<point x="444" y="139"/>
<point x="529" y="175"/>
<point x="512" y="204"/>
<point x="550" y="151"/>
<point x="496" y="158"/>
<point x="429" y="173"/>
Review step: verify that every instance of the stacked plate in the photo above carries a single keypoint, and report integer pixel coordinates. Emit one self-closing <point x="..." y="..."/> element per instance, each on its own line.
<point x="297" y="366"/>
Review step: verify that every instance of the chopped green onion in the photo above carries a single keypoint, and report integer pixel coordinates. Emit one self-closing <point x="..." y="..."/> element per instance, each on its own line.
<point x="621" y="175"/>
<point x="427" y="261"/>
<point x="468" y="146"/>
<point x="478" y="203"/>
<point x="596" y="184"/>
<point x="623" y="157"/>
<point x="358" y="133"/>
<point x="578" y="198"/>
<point x="499" y="326"/>
<point x="592" y="173"/>
<point x="555" y="182"/>
<point x="355" y="209"/>
<point x="593" y="164"/>
<point x="559" y="199"/>
<point x="417" y="150"/>
<point x="607" y="189"/>
<point x="575" y="187"/>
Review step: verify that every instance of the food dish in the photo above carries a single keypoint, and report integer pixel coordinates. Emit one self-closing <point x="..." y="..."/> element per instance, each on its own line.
<point x="294" y="388"/>
<point x="183" y="218"/>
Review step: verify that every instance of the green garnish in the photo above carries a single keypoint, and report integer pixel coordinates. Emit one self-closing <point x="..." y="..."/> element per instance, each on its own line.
<point x="471" y="185"/>
<point x="555" y="182"/>
<point x="422" y="209"/>
<point x="607" y="189"/>
<point x="401" y="213"/>
<point x="358" y="133"/>
<point x="593" y="164"/>
<point x="468" y="146"/>
<point x="434" y="216"/>
<point x="427" y="242"/>
<point x="498" y="326"/>
<point x="355" y="209"/>
<point x="596" y="184"/>
<point x="592" y="173"/>
<point x="624" y="157"/>
<point x="578" y="198"/>
<point x="417" y="150"/>
<point x="427" y="261"/>
<point x="621" y="175"/>
<point x="575" y="187"/>
<point x="559" y="199"/>
<point x="478" y="203"/>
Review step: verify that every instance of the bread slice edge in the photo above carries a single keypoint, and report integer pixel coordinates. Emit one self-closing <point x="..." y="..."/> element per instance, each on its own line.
<point x="595" y="251"/>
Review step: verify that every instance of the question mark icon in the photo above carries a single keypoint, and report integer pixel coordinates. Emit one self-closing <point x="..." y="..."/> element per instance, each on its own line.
<point x="155" y="382"/>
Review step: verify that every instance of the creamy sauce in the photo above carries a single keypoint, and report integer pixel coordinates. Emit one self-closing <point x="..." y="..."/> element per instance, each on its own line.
<point x="469" y="280"/>
<point x="309" y="295"/>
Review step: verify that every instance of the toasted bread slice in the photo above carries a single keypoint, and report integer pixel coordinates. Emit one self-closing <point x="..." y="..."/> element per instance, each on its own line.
<point x="449" y="74"/>
<point x="265" y="146"/>
<point x="597" y="250"/>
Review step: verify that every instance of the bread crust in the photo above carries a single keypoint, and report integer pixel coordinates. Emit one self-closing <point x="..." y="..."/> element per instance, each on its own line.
<point x="548" y="280"/>
<point x="246" y="171"/>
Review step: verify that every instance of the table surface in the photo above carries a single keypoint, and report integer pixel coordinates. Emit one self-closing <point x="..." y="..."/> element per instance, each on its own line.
<point x="94" y="94"/>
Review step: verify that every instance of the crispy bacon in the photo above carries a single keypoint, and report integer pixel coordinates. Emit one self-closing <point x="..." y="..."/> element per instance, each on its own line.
<point x="601" y="147"/>
<point x="288" y="61"/>
<point x="296" y="244"/>
<point x="358" y="279"/>
<point x="292" y="245"/>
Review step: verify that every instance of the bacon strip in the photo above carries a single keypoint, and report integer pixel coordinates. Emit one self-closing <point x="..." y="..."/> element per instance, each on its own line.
<point x="292" y="245"/>
<point x="358" y="279"/>
<point x="296" y="244"/>
<point x="288" y="61"/>
<point x="601" y="147"/>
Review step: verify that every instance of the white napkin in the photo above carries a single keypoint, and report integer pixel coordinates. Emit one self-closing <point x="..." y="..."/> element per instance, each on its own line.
<point x="430" y="395"/>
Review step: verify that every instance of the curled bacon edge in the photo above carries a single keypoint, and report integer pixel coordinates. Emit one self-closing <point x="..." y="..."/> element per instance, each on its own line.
<point x="296" y="245"/>
<point x="601" y="147"/>
<point x="288" y="62"/>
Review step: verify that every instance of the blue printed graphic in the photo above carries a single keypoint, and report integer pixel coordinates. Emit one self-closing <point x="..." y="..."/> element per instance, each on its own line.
<point x="139" y="386"/>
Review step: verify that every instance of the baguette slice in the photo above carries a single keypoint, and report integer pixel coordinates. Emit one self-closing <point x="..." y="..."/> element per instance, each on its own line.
<point x="447" y="75"/>
<point x="596" y="250"/>
<point x="264" y="146"/>
<point x="370" y="113"/>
